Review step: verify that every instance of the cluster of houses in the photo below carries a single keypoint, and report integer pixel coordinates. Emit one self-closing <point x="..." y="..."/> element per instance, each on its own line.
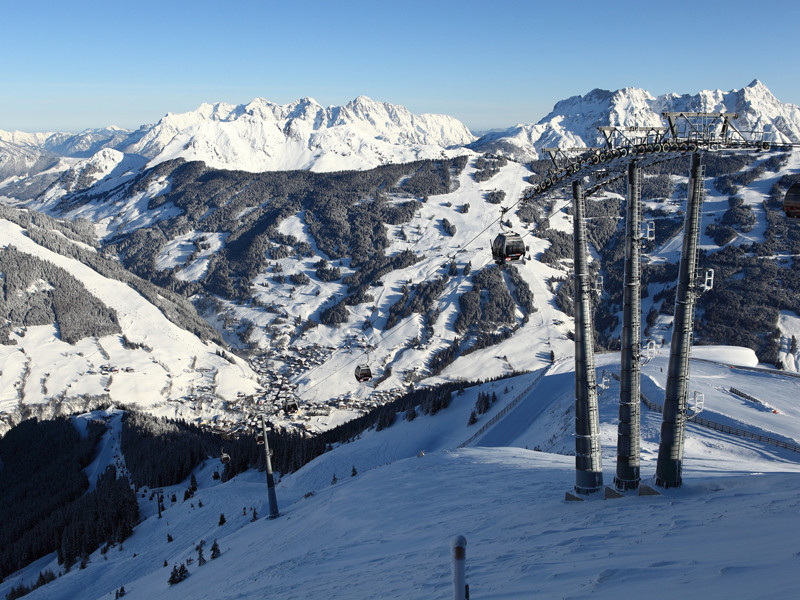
<point x="278" y="399"/>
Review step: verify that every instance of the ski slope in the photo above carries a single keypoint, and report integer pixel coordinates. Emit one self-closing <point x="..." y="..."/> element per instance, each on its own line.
<point x="729" y="531"/>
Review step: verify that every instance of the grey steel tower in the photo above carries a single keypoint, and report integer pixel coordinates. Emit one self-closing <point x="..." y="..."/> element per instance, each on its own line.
<point x="588" y="466"/>
<point x="676" y="398"/>
<point x="628" y="434"/>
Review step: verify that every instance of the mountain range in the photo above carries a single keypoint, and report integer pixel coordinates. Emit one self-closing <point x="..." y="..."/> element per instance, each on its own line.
<point x="382" y="256"/>
<point x="264" y="136"/>
<point x="240" y="260"/>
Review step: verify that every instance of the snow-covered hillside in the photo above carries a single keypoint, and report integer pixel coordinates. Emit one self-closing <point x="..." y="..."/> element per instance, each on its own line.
<point x="153" y="363"/>
<point x="385" y="532"/>
<point x="320" y="359"/>
<point x="573" y="122"/>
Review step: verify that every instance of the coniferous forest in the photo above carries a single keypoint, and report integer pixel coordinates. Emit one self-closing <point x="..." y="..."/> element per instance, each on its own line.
<point x="44" y="504"/>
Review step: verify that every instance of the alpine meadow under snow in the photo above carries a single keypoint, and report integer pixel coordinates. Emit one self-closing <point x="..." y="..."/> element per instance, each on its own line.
<point x="192" y="268"/>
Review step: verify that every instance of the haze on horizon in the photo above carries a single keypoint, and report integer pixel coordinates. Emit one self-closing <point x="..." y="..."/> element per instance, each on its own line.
<point x="88" y="64"/>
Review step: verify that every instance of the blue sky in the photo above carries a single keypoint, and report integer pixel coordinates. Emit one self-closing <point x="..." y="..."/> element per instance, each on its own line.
<point x="68" y="66"/>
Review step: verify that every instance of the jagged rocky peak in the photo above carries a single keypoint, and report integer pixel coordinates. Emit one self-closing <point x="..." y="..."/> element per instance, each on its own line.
<point x="264" y="136"/>
<point x="574" y="121"/>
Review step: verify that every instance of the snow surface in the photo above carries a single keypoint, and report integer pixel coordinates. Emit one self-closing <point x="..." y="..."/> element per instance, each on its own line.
<point x="171" y="364"/>
<point x="729" y="531"/>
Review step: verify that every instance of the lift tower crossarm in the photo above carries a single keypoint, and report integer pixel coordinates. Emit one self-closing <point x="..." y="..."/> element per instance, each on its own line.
<point x="699" y="125"/>
<point x="652" y="133"/>
<point x="562" y="153"/>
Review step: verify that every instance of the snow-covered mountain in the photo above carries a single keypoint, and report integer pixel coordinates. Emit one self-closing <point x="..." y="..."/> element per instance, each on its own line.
<point x="385" y="530"/>
<point x="274" y="255"/>
<point x="151" y="361"/>
<point x="19" y="161"/>
<point x="573" y="122"/>
<point x="78" y="145"/>
<point x="263" y="136"/>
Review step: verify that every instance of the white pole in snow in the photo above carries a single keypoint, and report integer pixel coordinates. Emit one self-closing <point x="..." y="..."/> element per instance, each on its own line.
<point x="460" y="589"/>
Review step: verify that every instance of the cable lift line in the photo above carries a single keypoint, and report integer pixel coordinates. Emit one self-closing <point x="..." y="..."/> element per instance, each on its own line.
<point x="509" y="246"/>
<point x="363" y="372"/>
<point x="685" y="133"/>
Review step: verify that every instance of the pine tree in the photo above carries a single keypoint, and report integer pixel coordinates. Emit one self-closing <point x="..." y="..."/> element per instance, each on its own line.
<point x="121" y="591"/>
<point x="193" y="483"/>
<point x="353" y="473"/>
<point x="482" y="404"/>
<point x="255" y="514"/>
<point x="169" y="538"/>
<point x="215" y="552"/>
<point x="178" y="574"/>
<point x="201" y="560"/>
<point x="333" y="479"/>
<point x="472" y="418"/>
<point x="221" y="519"/>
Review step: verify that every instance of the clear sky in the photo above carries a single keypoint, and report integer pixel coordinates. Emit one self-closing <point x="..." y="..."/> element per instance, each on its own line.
<point x="68" y="66"/>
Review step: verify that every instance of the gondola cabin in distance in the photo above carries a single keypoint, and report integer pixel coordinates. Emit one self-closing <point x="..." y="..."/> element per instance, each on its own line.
<point x="363" y="373"/>
<point x="507" y="247"/>
<point x="791" y="203"/>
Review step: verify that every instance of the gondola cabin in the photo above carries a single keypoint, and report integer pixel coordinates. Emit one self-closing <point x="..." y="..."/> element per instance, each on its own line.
<point x="260" y="439"/>
<point x="791" y="203"/>
<point x="507" y="247"/>
<point x="225" y="458"/>
<point x="363" y="373"/>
